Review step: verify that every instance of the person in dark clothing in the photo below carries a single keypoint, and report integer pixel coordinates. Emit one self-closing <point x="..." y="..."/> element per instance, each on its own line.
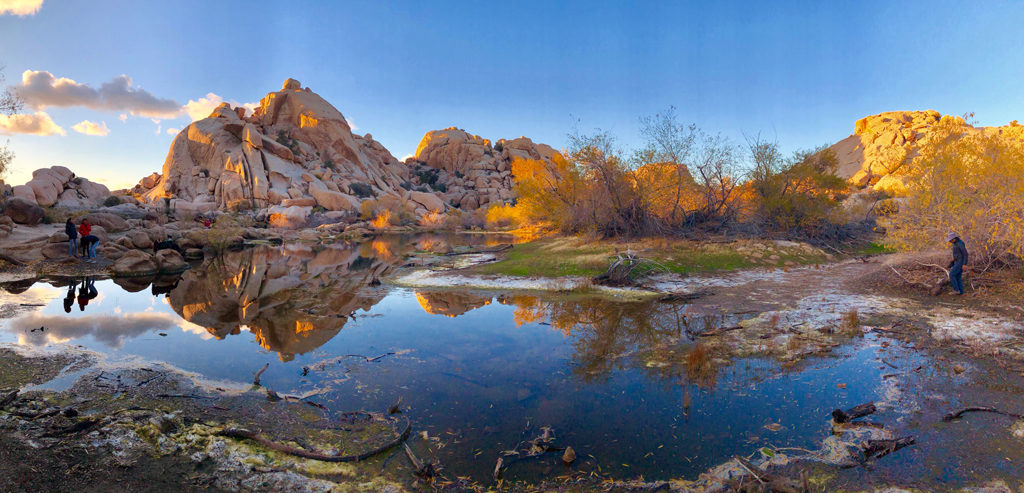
<point x="89" y="245"/>
<point x="72" y="232"/>
<point x="166" y="244"/>
<point x="956" y="266"/>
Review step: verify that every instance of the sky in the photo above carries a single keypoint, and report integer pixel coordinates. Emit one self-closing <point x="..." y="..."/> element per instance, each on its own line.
<point x="109" y="83"/>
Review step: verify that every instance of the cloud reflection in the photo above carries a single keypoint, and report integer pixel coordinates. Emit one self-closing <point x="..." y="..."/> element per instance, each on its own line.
<point x="111" y="330"/>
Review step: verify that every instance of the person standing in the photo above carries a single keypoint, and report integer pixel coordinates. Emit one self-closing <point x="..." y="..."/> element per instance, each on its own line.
<point x="69" y="229"/>
<point x="83" y="230"/>
<point x="956" y="266"/>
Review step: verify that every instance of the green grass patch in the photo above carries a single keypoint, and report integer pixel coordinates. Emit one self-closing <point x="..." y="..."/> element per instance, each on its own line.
<point x="874" y="248"/>
<point x="556" y="257"/>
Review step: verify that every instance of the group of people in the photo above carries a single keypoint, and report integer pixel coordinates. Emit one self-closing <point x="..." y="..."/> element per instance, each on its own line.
<point x="89" y="240"/>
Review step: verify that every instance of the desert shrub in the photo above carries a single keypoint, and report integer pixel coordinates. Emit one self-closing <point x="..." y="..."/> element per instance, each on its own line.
<point x="399" y="212"/>
<point x="498" y="146"/>
<point x="360" y="190"/>
<point x="330" y="165"/>
<point x="439" y="187"/>
<point x="796" y="195"/>
<point x="56" y="215"/>
<point x="226" y="231"/>
<point x="427" y="175"/>
<point x="111" y="201"/>
<point x="503" y="216"/>
<point x="406" y="185"/>
<point x="967" y="181"/>
<point x="432" y="219"/>
<point x="452" y="219"/>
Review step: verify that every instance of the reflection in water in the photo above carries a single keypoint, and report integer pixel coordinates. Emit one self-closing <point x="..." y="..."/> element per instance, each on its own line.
<point x="293" y="300"/>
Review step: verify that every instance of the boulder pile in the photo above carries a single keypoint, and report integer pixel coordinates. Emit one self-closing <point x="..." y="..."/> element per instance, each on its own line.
<point x="58" y="186"/>
<point x="466" y="170"/>
<point x="876" y="155"/>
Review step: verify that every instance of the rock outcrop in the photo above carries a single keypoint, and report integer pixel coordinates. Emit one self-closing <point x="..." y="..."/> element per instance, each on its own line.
<point x="875" y="156"/>
<point x="58" y="186"/>
<point x="23" y="211"/>
<point x="466" y="170"/>
<point x="294" y="145"/>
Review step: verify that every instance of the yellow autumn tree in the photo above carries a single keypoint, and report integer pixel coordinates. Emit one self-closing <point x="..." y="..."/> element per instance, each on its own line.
<point x="966" y="180"/>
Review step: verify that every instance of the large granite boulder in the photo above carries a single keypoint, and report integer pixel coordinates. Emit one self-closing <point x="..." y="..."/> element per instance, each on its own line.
<point x="169" y="261"/>
<point x="111" y="223"/>
<point x="134" y="263"/>
<point x="58" y="186"/>
<point x="21" y="211"/>
<point x="294" y="145"/>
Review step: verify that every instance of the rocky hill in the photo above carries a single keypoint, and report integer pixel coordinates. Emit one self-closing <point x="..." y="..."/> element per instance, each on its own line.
<point x="874" y="157"/>
<point x="296" y="152"/>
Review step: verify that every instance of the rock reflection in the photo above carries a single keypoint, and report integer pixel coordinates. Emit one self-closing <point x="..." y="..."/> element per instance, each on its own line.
<point x="293" y="299"/>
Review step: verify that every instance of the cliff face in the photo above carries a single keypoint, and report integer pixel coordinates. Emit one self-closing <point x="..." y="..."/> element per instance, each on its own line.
<point x="881" y="146"/>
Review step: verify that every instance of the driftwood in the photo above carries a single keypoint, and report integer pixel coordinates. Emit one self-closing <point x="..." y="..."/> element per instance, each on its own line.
<point x="769" y="482"/>
<point x="244" y="434"/>
<point x="538" y="447"/>
<point x="718" y="331"/>
<point x="256" y="377"/>
<point x="853" y="413"/>
<point x="934" y="289"/>
<point x="424" y="470"/>
<point x="976" y="409"/>
<point x="874" y="449"/>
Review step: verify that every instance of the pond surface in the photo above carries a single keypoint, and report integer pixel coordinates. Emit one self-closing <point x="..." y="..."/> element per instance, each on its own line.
<point x="480" y="372"/>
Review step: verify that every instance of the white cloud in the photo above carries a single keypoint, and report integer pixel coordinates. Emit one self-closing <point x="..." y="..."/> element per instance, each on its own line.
<point x="123" y="117"/>
<point x="91" y="128"/>
<point x="40" y="90"/>
<point x="38" y="123"/>
<point x="158" y="129"/>
<point x="407" y="156"/>
<point x="20" y="7"/>
<point x="351" y="124"/>
<point x="173" y="131"/>
<point x="111" y="330"/>
<point x="197" y="109"/>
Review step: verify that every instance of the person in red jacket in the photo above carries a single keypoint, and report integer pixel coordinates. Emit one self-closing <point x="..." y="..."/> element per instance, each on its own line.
<point x="83" y="230"/>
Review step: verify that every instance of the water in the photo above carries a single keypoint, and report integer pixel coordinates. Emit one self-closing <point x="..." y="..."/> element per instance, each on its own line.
<point x="478" y="371"/>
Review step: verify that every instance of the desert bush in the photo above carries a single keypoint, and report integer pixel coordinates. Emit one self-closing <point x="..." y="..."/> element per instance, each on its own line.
<point x="432" y="219"/>
<point x="501" y="216"/>
<point x="111" y="201"/>
<point x="399" y="212"/>
<point x="360" y="190"/>
<point x="796" y="195"/>
<point x="967" y="181"/>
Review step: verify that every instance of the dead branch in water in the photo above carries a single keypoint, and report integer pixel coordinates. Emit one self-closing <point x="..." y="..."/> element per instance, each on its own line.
<point x="853" y="413"/>
<point x="256" y="377"/>
<point x="241" y="433"/>
<point x="977" y="409"/>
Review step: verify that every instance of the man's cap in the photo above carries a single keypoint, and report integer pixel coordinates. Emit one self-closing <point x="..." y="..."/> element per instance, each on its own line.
<point x="950" y="236"/>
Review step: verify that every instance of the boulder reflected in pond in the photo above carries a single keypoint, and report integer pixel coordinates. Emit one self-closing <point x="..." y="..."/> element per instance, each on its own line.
<point x="292" y="299"/>
<point x="450" y="303"/>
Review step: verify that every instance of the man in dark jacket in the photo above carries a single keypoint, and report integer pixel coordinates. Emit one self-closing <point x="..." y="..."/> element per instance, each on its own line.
<point x="72" y="232"/>
<point x="956" y="266"/>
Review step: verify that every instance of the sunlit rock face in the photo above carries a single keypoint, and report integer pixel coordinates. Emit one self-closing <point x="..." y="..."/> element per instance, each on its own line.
<point x="450" y="303"/>
<point x="883" y="144"/>
<point x="471" y="172"/>
<point x="293" y="300"/>
<point x="295" y="145"/>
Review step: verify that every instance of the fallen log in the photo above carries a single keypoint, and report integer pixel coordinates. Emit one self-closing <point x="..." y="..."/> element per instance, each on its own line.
<point x="256" y="377"/>
<point x="853" y="413"/>
<point x="874" y="449"/>
<point x="244" y="434"/>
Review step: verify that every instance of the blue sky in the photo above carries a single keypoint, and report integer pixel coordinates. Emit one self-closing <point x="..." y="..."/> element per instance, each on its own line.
<point x="798" y="72"/>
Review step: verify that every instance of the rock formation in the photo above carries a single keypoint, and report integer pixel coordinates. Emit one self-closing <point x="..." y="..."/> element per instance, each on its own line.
<point x="296" y="154"/>
<point x="295" y="145"/>
<point x="467" y="170"/>
<point x="58" y="186"/>
<point x="883" y="144"/>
